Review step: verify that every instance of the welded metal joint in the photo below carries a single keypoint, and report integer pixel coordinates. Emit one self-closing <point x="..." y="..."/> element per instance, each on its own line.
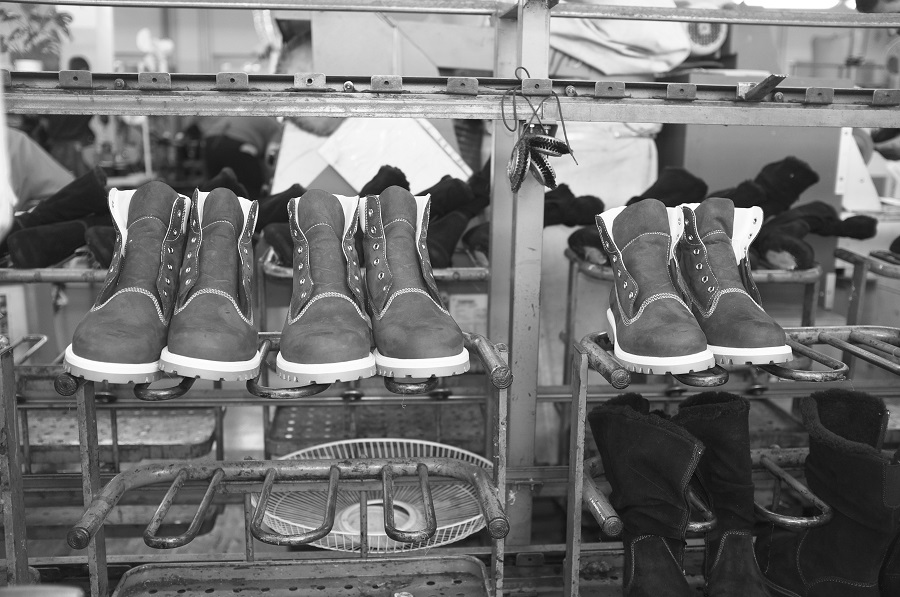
<point x="386" y="84"/>
<point x="537" y="86"/>
<point x="792" y="522"/>
<point x="154" y="82"/>
<point x="390" y="528"/>
<point x="819" y="96"/>
<point x="274" y="538"/>
<point x="489" y="354"/>
<point x="598" y="504"/>
<point x="462" y="85"/>
<point x="681" y="91"/>
<point x="309" y="81"/>
<point x="150" y="537"/>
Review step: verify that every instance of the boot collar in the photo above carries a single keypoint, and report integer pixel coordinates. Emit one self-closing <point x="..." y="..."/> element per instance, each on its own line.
<point x="303" y="294"/>
<point x="170" y="253"/>
<point x="190" y="270"/>
<point x="380" y="285"/>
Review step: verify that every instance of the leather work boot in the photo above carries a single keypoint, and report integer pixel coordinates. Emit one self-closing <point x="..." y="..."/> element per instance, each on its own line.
<point x="48" y="245"/>
<point x="890" y="572"/>
<point x="648" y="461"/>
<point x="212" y="334"/>
<point x="720" y="421"/>
<point x="415" y="336"/>
<point x="326" y="337"/>
<point x="653" y="328"/>
<point x="847" y="469"/>
<point x="121" y="338"/>
<point x="715" y="269"/>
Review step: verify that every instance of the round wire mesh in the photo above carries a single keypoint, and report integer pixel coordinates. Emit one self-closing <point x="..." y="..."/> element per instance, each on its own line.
<point x="456" y="507"/>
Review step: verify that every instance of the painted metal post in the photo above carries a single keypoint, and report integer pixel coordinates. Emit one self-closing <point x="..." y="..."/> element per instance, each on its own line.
<point x="90" y="483"/>
<point x="11" y="474"/>
<point x="572" y="565"/>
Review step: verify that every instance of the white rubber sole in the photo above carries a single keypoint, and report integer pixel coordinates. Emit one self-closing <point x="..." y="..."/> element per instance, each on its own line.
<point x="110" y="372"/>
<point x="699" y="361"/>
<point x="207" y="369"/>
<point x="321" y="373"/>
<point x="727" y="355"/>
<point x="422" y="368"/>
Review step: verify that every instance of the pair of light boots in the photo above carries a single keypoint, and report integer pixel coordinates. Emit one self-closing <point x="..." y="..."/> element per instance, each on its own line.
<point x="177" y="297"/>
<point x="683" y="297"/>
<point x="650" y="460"/>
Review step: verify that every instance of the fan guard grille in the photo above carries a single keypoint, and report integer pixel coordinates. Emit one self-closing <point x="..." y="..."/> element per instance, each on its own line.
<point x="455" y="504"/>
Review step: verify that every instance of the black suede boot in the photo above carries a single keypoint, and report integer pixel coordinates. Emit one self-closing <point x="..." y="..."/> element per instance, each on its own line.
<point x="746" y="194"/>
<point x="673" y="187"/>
<point x="848" y="471"/>
<point x="278" y="235"/>
<point x="587" y="244"/>
<point x="387" y="176"/>
<point x="720" y="421"/>
<point x="101" y="242"/>
<point x="648" y="461"/>
<point x="82" y="197"/>
<point x="443" y="236"/>
<point x="45" y="246"/>
<point x="452" y="194"/>
<point x="890" y="573"/>
<point x="561" y="206"/>
<point x="784" y="181"/>
<point x="275" y="208"/>
<point x="226" y="179"/>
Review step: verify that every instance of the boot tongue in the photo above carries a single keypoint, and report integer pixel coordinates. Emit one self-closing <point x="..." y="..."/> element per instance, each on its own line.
<point x="641" y="232"/>
<point x="715" y="225"/>
<point x="148" y="220"/>
<point x="321" y="218"/>
<point x="222" y="221"/>
<point x="399" y="216"/>
<point x="714" y="214"/>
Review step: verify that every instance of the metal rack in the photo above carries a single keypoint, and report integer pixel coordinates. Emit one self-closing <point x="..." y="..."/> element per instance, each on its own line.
<point x="516" y="224"/>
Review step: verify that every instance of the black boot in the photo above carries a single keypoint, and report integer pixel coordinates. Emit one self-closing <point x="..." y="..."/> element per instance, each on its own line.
<point x="387" y="176"/>
<point x="452" y="194"/>
<point x="673" y="187"/>
<point x="478" y="239"/>
<point x="443" y="236"/>
<point x="45" y="246"/>
<point x="227" y="179"/>
<point x="587" y="244"/>
<point x="890" y="573"/>
<point x="278" y="235"/>
<point x="648" y="461"/>
<point x="274" y="208"/>
<point x="720" y="421"/>
<point x="101" y="242"/>
<point x="561" y="206"/>
<point x="82" y="197"/>
<point x="784" y="181"/>
<point x="848" y="471"/>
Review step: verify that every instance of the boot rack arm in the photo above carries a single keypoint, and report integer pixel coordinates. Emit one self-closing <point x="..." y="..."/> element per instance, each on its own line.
<point x="782" y="520"/>
<point x="598" y="503"/>
<point x="390" y="528"/>
<point x="247" y="474"/>
<point x="274" y="538"/>
<point x="254" y="387"/>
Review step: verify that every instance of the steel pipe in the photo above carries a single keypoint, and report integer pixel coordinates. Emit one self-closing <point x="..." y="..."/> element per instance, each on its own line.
<point x="715" y="376"/>
<point x="792" y="522"/>
<point x="596" y="346"/>
<point x="150" y="537"/>
<point x="709" y="519"/>
<point x="597" y="502"/>
<point x="390" y="528"/>
<point x="489" y="353"/>
<point x="862" y="353"/>
<point x="410" y="388"/>
<point x="273" y="538"/>
<point x="838" y="370"/>
<point x="143" y="391"/>
<point x="261" y="391"/>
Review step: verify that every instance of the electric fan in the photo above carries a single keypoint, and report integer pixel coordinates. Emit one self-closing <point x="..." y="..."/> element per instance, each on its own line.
<point x="455" y="504"/>
<point x="707" y="38"/>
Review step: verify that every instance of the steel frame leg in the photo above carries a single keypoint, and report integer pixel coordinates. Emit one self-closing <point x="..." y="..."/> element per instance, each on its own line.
<point x="499" y="458"/>
<point x="572" y="566"/>
<point x="854" y="306"/>
<point x="11" y="475"/>
<point x="90" y="482"/>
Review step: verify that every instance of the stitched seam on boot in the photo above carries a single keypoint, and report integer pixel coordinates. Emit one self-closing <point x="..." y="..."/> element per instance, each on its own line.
<point x="715" y="300"/>
<point x="797" y="560"/>
<point x="326" y="295"/>
<point x="628" y="244"/>
<point x="218" y="292"/>
<point x="222" y="222"/>
<point x="719" y="295"/>
<point x="722" y="545"/>
<point x="320" y="224"/>
<point x="140" y="291"/>
<point x="695" y="459"/>
<point x="842" y="581"/>
<point x="652" y="299"/>
<point x="394" y="221"/>
<point x="631" y="576"/>
<point x="387" y="305"/>
<point x="145" y="218"/>
<point x="719" y="231"/>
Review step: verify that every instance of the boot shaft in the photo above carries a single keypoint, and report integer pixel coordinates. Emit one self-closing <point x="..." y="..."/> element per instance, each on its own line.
<point x="150" y="225"/>
<point x="325" y="258"/>
<point x="218" y="258"/>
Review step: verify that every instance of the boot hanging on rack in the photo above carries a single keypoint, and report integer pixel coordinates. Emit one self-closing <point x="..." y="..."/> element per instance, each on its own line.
<point x="720" y="421"/>
<point x="648" y="461"/>
<point x="848" y="470"/>
<point x="212" y="335"/>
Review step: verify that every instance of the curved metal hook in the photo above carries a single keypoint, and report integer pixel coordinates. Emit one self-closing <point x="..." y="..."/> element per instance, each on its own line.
<point x="410" y="389"/>
<point x="838" y="371"/>
<point x="387" y="478"/>
<point x="150" y="537"/>
<point x="143" y="391"/>
<point x="792" y="522"/>
<point x="715" y="376"/>
<point x="709" y="519"/>
<point x="273" y="538"/>
<point x="260" y="391"/>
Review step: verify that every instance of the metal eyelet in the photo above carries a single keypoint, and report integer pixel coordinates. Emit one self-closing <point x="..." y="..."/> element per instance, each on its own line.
<point x="375" y="246"/>
<point x="355" y="277"/>
<point x="169" y="265"/>
<point x="188" y="281"/>
<point x="711" y="288"/>
<point x="300" y="266"/>
<point x="381" y="276"/>
<point x="371" y="212"/>
<point x="187" y="270"/>
<point x="189" y="255"/>
<point x="372" y="230"/>
<point x="690" y="237"/>
<point x="168" y="281"/>
<point x="631" y="295"/>
<point x="300" y="250"/>
<point x="376" y="262"/>
<point x="171" y="250"/>
<point x="704" y="279"/>
<point x="193" y="239"/>
<point x="303" y="280"/>
<point x="624" y="284"/>
<point x="619" y="272"/>
<point x="699" y="266"/>
<point x="614" y="258"/>
<point x="302" y="295"/>
<point x="423" y="245"/>
<point x="696" y="251"/>
<point x="385" y="289"/>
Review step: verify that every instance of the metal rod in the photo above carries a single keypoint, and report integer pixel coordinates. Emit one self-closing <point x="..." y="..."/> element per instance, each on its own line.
<point x="114" y="432"/>
<point x="571" y="308"/>
<point x="410" y="388"/>
<point x="26" y="440"/>
<point x="90" y="477"/>
<point x="36" y="341"/>
<point x="709" y="519"/>
<point x="11" y="485"/>
<point x="861" y="338"/>
<point x="274" y="538"/>
<point x="142" y="391"/>
<point x="601" y="361"/>
<point x="255" y="387"/>
<point x="150" y="537"/>
<point x="390" y="528"/>
<point x="862" y="353"/>
<point x="364" y="524"/>
<point x="219" y="433"/>
<point x="458" y="7"/>
<point x="576" y="472"/>
<point x="793" y="522"/>
<point x="715" y="376"/>
<point x="489" y="354"/>
<point x="249" y="547"/>
<point x="838" y="370"/>
<point x="598" y="503"/>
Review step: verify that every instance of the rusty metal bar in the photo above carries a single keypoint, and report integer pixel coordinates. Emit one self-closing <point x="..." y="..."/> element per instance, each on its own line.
<point x="390" y="528"/>
<point x="219" y="433"/>
<point x="249" y="547"/>
<point x="596" y="347"/>
<point x="410" y="388"/>
<point x="150" y="537"/>
<point x="862" y="353"/>
<point x="838" y="370"/>
<point x="709" y="519"/>
<point x="11" y="485"/>
<point x="254" y="385"/>
<point x="290" y="471"/>
<point x="273" y="538"/>
<point x="498" y="371"/>
<point x="598" y="503"/>
<point x="576" y="473"/>
<point x="114" y="432"/>
<point x="143" y="391"/>
<point x="715" y="376"/>
<point x="36" y="341"/>
<point x="456" y="7"/>
<point x="793" y="522"/>
<point x="866" y="340"/>
<point x="364" y="524"/>
<point x="757" y="92"/>
<point x="51" y="275"/>
<point x="90" y="482"/>
<point x="568" y="334"/>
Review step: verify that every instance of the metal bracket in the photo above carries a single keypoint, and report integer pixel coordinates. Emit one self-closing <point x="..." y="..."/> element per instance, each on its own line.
<point x="154" y="81"/>
<point x="819" y="95"/>
<point x="886" y="97"/>
<point x="609" y="89"/>
<point x="232" y="82"/>
<point x="462" y="85"/>
<point x="681" y="91"/>
<point x="537" y="86"/>
<point x="387" y="83"/>
<point x="310" y="81"/>
<point x="75" y="79"/>
<point x="756" y="92"/>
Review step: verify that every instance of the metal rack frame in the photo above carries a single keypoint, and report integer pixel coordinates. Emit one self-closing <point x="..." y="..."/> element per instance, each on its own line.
<point x="516" y="225"/>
